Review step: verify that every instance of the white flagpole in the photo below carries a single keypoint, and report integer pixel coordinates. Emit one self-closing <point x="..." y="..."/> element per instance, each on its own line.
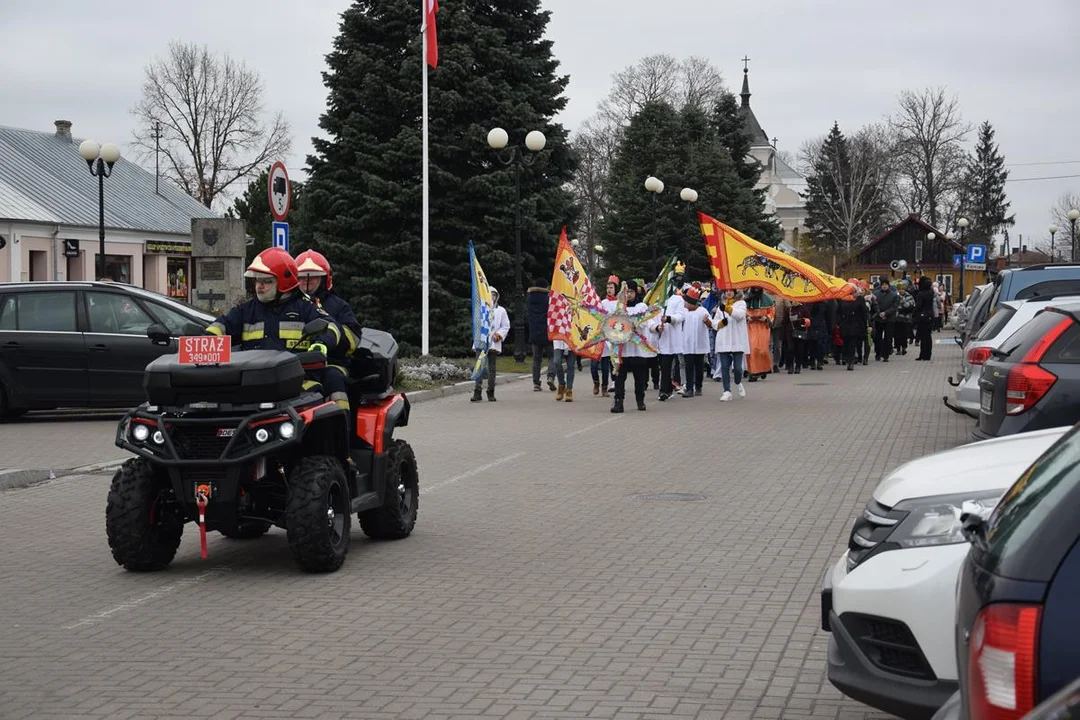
<point x="425" y="308"/>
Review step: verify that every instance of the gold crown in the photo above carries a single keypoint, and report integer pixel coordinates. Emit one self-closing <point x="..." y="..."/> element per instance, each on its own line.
<point x="680" y="268"/>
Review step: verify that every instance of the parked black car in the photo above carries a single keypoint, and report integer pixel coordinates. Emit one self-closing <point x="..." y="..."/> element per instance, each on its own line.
<point x="82" y="344"/>
<point x="1032" y="381"/>
<point x="1017" y="631"/>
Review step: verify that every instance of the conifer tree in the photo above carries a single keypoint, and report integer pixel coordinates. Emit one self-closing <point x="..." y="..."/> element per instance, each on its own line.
<point x="363" y="196"/>
<point x="987" y="204"/>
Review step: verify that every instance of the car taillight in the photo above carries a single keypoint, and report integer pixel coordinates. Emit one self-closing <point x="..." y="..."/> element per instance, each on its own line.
<point x="978" y="355"/>
<point x="1001" y="662"/>
<point x="1027" y="384"/>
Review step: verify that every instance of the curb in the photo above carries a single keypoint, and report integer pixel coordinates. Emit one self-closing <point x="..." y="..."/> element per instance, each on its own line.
<point x="20" y="478"/>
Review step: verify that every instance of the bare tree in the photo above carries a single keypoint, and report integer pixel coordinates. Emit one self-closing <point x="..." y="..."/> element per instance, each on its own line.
<point x="845" y="201"/>
<point x="1059" y="215"/>
<point x="209" y="111"/>
<point x="661" y="78"/>
<point x="928" y="154"/>
<point x="595" y="144"/>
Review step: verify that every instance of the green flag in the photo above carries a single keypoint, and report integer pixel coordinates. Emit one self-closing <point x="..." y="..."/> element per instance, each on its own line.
<point x="661" y="289"/>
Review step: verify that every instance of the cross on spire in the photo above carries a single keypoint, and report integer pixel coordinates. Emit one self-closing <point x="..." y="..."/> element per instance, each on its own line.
<point x="745" y="62"/>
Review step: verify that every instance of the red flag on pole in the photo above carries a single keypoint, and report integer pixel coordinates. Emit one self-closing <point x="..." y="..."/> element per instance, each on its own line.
<point x="432" y="53"/>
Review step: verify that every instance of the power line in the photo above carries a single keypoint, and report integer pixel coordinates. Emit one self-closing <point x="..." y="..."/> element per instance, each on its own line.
<point x="1048" y="162"/>
<point x="1048" y="177"/>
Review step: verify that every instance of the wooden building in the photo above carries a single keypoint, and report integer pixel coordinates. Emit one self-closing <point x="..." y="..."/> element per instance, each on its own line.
<point x="909" y="241"/>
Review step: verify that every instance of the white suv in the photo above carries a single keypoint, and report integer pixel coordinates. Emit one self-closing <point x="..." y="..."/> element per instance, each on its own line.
<point x="889" y="601"/>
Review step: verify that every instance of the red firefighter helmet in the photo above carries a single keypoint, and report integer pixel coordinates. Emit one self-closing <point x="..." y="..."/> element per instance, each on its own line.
<point x="279" y="264"/>
<point x="310" y="263"/>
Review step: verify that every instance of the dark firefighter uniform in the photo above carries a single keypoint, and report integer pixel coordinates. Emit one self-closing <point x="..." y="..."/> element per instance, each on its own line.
<point x="279" y="325"/>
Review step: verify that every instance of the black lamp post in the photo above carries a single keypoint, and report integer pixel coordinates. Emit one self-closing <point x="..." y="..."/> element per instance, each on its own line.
<point x="962" y="223"/>
<point x="1073" y="216"/>
<point x="535" y="141"/>
<point x="1053" y="232"/>
<point x="100" y="159"/>
<point x="654" y="186"/>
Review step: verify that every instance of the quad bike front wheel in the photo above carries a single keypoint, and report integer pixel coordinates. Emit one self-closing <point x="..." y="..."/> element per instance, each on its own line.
<point x="396" y="518"/>
<point x="318" y="514"/>
<point x="140" y="521"/>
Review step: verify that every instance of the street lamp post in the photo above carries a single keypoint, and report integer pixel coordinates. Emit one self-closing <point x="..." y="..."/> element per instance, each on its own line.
<point x="1053" y="231"/>
<point x="655" y="186"/>
<point x="100" y="159"/>
<point x="950" y="236"/>
<point x="962" y="223"/>
<point x="535" y="141"/>
<point x="1073" y="216"/>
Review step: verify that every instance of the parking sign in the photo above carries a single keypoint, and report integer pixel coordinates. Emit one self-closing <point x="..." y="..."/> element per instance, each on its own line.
<point x="975" y="254"/>
<point x="281" y="235"/>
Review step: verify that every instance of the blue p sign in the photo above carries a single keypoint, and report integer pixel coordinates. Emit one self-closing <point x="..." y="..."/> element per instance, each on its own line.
<point x="976" y="254"/>
<point x="281" y="235"/>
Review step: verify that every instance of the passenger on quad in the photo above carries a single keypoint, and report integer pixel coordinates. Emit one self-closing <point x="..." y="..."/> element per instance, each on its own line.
<point x="317" y="282"/>
<point x="275" y="319"/>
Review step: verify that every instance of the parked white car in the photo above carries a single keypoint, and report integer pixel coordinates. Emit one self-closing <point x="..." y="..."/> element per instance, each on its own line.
<point x="889" y="602"/>
<point x="1009" y="317"/>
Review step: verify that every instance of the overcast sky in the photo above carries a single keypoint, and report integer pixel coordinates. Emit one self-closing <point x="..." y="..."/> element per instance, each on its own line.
<point x="812" y="62"/>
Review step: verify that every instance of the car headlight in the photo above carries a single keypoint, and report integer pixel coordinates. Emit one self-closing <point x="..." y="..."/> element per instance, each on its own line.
<point x="140" y="432"/>
<point x="936" y="520"/>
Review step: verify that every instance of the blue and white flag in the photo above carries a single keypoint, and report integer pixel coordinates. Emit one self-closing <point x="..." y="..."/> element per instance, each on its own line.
<point x="482" y="311"/>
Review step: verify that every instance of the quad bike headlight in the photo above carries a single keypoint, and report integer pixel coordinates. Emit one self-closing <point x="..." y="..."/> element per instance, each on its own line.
<point x="262" y="435"/>
<point x="140" y="432"/>
<point x="287" y="431"/>
<point x="158" y="438"/>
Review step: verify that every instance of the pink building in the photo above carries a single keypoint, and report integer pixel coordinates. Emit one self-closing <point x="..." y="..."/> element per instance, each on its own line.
<point x="49" y="217"/>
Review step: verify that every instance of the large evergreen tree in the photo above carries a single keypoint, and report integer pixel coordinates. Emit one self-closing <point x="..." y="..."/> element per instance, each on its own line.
<point x="684" y="149"/>
<point x="986" y="203"/>
<point x="363" y="197"/>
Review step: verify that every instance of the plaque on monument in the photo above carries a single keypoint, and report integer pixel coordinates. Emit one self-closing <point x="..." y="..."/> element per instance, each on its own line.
<point x="210" y="236"/>
<point x="212" y="270"/>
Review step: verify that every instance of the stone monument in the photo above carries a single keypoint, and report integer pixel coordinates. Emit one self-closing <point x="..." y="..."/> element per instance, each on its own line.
<point x="218" y="250"/>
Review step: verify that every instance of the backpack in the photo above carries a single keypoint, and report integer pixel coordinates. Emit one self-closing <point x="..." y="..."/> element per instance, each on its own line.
<point x="907" y="301"/>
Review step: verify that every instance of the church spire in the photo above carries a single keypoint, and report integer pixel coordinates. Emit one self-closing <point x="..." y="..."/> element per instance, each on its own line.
<point x="745" y="94"/>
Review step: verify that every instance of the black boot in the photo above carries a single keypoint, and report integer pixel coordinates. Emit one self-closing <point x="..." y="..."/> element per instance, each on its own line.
<point x="617" y="407"/>
<point x="491" y="396"/>
<point x="851" y="366"/>
<point x="641" y="405"/>
<point x="476" y="396"/>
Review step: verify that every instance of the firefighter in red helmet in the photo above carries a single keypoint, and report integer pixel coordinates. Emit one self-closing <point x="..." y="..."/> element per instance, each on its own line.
<point x="317" y="281"/>
<point x="275" y="318"/>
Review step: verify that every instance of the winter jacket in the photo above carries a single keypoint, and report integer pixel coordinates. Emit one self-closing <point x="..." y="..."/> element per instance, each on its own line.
<point x="278" y="325"/>
<point x="536" y="308"/>
<point x="500" y="326"/>
<point x="924" y="305"/>
<point x="888" y="302"/>
<point x="852" y="317"/>
<point x="732" y="336"/>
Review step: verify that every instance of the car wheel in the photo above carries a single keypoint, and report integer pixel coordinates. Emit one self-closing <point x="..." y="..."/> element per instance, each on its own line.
<point x="143" y="529"/>
<point x="397" y="516"/>
<point x="318" y="514"/>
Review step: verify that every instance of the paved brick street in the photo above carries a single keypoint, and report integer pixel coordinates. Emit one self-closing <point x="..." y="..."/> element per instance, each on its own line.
<point x="535" y="585"/>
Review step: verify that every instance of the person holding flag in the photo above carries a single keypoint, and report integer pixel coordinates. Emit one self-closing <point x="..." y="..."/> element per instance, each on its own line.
<point x="490" y="325"/>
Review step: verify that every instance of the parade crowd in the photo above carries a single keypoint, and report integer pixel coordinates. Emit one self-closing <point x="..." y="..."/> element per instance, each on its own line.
<point x="730" y="337"/>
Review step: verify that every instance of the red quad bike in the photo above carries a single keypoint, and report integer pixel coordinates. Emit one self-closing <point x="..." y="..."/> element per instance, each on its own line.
<point x="232" y="441"/>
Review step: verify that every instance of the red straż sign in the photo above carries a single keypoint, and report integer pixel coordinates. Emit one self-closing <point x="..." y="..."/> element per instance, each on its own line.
<point x="205" y="350"/>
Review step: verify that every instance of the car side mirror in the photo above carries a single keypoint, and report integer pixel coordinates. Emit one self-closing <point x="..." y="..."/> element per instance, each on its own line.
<point x="316" y="327"/>
<point x="973" y="518"/>
<point x="191" y="328"/>
<point x="158" y="334"/>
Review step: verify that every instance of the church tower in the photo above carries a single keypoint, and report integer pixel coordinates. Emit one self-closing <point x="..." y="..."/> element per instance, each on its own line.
<point x="783" y="184"/>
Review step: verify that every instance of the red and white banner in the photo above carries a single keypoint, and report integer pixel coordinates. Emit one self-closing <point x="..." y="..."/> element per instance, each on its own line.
<point x="432" y="53"/>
